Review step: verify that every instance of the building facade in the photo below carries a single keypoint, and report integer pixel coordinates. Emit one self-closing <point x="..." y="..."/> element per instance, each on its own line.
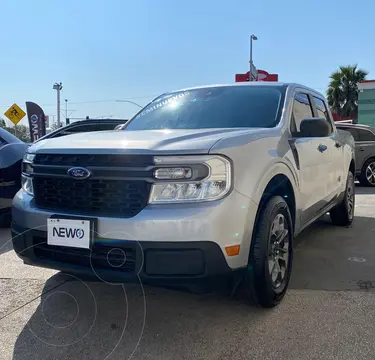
<point x="366" y="102"/>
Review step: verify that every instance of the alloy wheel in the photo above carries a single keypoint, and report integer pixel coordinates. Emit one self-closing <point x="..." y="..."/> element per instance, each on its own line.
<point x="350" y="197"/>
<point x="370" y="173"/>
<point x="278" y="257"/>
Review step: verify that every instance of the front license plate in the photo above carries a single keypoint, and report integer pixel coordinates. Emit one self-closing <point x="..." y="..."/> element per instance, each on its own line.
<point x="68" y="232"/>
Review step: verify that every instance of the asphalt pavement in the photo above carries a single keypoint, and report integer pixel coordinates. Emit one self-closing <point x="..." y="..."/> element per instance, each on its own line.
<point x="328" y="312"/>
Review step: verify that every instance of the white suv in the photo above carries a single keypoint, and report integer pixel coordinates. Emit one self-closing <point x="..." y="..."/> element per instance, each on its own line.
<point x="205" y="181"/>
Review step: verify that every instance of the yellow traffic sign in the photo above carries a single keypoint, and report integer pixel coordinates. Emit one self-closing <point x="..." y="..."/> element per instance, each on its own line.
<point x="15" y="114"/>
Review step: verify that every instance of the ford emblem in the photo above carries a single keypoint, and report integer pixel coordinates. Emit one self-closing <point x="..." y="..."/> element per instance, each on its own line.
<point x="79" y="173"/>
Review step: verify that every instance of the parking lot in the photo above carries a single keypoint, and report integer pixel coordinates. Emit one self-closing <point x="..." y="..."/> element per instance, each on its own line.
<point x="328" y="312"/>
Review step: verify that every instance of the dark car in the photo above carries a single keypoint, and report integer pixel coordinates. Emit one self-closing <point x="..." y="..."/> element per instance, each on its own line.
<point x="364" y="137"/>
<point x="12" y="151"/>
<point x="87" y="125"/>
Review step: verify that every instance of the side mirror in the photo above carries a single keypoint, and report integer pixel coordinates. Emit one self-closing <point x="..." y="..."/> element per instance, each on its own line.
<point x="314" y="127"/>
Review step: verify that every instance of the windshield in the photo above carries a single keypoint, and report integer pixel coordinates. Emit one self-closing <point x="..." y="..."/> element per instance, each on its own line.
<point x="212" y="107"/>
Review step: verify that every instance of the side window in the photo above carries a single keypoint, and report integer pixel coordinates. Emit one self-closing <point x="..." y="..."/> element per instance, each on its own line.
<point x="353" y="131"/>
<point x="80" y="128"/>
<point x="85" y="128"/>
<point x="366" y="135"/>
<point x="301" y="110"/>
<point x="322" y="110"/>
<point x="91" y="127"/>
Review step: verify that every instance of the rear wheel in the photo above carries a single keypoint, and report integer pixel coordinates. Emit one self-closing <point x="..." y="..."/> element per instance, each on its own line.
<point x="270" y="262"/>
<point x="343" y="213"/>
<point x="367" y="177"/>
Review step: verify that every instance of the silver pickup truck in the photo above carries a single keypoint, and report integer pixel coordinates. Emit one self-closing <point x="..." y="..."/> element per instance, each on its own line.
<point x="203" y="182"/>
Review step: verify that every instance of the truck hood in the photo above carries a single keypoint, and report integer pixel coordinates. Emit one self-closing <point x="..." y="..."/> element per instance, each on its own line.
<point x="197" y="141"/>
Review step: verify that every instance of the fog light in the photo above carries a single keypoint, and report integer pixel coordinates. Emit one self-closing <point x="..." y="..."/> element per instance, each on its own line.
<point x="232" y="250"/>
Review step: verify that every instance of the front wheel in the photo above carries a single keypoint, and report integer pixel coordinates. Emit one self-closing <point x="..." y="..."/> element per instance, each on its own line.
<point x="270" y="262"/>
<point x="343" y="213"/>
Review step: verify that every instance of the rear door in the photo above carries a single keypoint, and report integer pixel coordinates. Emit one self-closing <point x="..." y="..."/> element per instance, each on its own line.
<point x="335" y="173"/>
<point x="312" y="161"/>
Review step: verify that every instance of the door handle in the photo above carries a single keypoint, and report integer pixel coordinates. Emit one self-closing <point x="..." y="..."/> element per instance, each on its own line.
<point x="322" y="148"/>
<point x="337" y="144"/>
<point x="361" y="149"/>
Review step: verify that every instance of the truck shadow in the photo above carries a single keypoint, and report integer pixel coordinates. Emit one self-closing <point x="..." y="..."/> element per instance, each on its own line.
<point x="99" y="321"/>
<point x="335" y="258"/>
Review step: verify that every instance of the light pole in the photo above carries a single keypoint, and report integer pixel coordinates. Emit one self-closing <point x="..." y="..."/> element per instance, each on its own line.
<point x="66" y="108"/>
<point x="130" y="102"/>
<point x="252" y="37"/>
<point x="58" y="87"/>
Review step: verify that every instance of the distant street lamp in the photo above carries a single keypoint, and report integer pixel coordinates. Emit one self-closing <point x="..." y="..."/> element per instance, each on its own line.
<point x="58" y="87"/>
<point x="252" y="37"/>
<point x="130" y="102"/>
<point x="66" y="108"/>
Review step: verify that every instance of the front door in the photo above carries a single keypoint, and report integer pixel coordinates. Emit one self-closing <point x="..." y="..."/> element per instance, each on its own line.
<point x="314" y="162"/>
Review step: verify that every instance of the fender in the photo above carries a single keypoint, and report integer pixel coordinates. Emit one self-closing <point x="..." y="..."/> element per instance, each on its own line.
<point x="278" y="168"/>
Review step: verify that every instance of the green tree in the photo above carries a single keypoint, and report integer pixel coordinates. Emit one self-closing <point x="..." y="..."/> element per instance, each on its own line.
<point x="342" y="93"/>
<point x="21" y="131"/>
<point x="54" y="126"/>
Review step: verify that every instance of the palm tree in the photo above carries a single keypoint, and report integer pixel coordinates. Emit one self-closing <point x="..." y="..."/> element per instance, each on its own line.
<point x="342" y="93"/>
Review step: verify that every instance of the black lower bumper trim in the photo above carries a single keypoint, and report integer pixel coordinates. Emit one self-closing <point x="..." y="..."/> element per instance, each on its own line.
<point x="112" y="260"/>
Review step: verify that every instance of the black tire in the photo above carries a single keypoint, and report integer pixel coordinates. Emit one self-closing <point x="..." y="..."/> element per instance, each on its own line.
<point x="343" y="213"/>
<point x="257" y="286"/>
<point x="363" y="176"/>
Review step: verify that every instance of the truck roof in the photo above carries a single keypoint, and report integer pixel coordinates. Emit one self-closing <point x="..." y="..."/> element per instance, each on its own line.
<point x="255" y="83"/>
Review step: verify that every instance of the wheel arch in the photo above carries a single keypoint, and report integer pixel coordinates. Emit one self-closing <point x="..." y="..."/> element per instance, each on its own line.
<point x="281" y="185"/>
<point x="352" y="166"/>
<point x="279" y="180"/>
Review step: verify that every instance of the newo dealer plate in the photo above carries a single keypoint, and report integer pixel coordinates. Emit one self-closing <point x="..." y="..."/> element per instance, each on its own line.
<point x="68" y="232"/>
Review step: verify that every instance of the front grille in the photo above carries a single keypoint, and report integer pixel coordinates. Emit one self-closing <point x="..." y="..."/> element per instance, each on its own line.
<point x="85" y="160"/>
<point x="119" y="184"/>
<point x="95" y="197"/>
<point x="99" y="257"/>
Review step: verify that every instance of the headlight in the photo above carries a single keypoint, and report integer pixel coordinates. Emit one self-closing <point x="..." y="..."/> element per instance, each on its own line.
<point x="27" y="185"/>
<point x="28" y="160"/>
<point x="190" y="185"/>
<point x="29" y="157"/>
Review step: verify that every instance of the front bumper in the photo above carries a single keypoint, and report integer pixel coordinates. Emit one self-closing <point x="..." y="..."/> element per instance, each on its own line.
<point x="162" y="241"/>
<point x="109" y="261"/>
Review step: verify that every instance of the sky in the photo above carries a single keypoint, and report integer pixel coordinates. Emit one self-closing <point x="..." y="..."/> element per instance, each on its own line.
<point x="103" y="51"/>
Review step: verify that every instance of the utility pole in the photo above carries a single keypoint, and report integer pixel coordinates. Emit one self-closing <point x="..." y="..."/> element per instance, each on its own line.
<point x="252" y="37"/>
<point x="58" y="87"/>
